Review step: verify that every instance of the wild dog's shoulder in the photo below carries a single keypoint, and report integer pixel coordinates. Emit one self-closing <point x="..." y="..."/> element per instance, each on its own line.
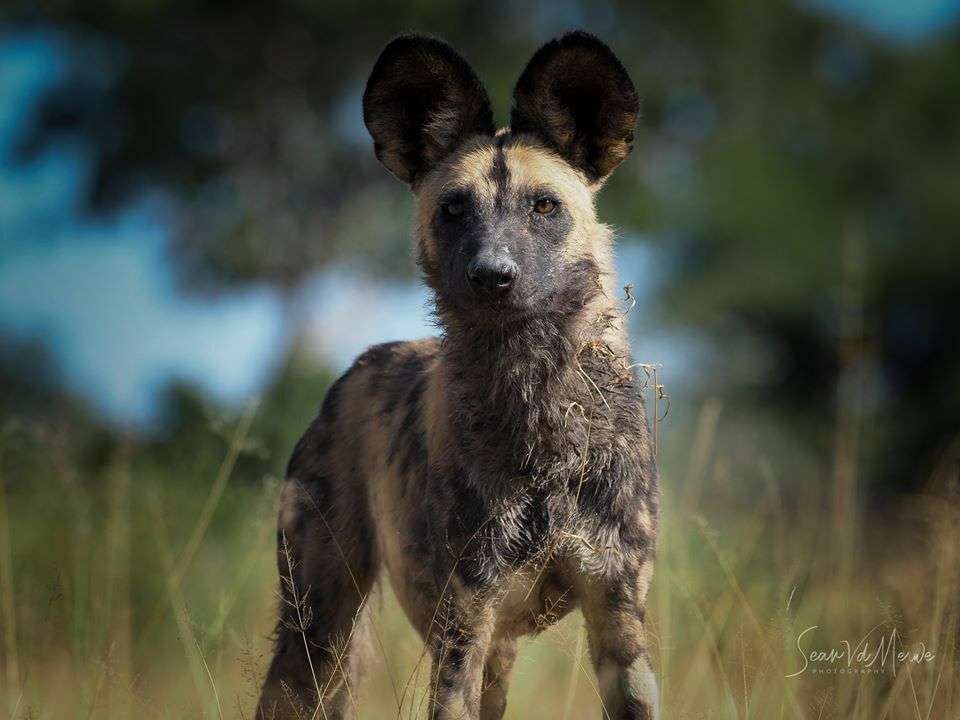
<point x="390" y="370"/>
<point x="383" y="376"/>
<point x="379" y="385"/>
<point x="400" y="356"/>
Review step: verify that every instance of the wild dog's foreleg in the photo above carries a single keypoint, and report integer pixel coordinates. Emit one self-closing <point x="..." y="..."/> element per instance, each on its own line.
<point x="614" y="611"/>
<point x="496" y="678"/>
<point x="327" y="569"/>
<point x="458" y="646"/>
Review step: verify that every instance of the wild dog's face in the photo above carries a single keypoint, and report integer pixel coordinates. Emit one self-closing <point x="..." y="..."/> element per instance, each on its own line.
<point x="506" y="226"/>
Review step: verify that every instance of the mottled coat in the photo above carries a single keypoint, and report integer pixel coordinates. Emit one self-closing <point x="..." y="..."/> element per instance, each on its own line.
<point x="502" y="474"/>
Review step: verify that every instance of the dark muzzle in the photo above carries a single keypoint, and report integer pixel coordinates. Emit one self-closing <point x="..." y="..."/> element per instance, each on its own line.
<point x="492" y="276"/>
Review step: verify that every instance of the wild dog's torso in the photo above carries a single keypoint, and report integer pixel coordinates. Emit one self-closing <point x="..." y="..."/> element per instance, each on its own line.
<point x="521" y="467"/>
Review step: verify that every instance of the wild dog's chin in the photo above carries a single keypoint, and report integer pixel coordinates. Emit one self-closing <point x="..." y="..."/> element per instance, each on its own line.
<point x="509" y="316"/>
<point x="501" y="313"/>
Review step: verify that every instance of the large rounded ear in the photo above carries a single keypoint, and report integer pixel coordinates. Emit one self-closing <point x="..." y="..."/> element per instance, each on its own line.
<point x="422" y="100"/>
<point x="576" y="96"/>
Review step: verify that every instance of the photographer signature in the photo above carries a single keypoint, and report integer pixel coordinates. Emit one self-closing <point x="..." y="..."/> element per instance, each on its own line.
<point x="869" y="655"/>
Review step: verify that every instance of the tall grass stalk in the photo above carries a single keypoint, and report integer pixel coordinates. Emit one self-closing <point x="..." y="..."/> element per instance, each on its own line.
<point x="199" y="671"/>
<point x="179" y="569"/>
<point x="8" y="609"/>
<point x="118" y="537"/>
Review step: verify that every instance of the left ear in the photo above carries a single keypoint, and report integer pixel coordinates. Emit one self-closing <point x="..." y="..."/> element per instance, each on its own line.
<point x="576" y="96"/>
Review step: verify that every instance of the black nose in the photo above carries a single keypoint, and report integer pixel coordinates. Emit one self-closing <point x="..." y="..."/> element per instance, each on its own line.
<point x="492" y="276"/>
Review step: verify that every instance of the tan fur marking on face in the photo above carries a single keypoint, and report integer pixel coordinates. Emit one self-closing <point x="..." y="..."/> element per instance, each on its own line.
<point x="531" y="165"/>
<point x="468" y="168"/>
<point x="471" y="170"/>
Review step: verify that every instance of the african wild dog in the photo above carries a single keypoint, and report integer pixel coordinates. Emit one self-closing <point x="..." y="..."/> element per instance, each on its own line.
<point x="503" y="474"/>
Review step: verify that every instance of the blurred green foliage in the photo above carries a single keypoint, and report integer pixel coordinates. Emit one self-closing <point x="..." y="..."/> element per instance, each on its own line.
<point x="798" y="175"/>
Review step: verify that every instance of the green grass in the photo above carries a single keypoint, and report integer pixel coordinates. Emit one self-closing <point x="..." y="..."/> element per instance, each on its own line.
<point x="148" y="591"/>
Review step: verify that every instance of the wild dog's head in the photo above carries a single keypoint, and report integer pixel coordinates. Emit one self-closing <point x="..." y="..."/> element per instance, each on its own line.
<point x="506" y="227"/>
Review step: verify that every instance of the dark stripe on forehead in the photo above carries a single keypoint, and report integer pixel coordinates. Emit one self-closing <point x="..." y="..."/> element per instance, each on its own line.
<point x="500" y="173"/>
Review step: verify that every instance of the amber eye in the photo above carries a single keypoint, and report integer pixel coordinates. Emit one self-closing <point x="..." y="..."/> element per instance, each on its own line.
<point x="544" y="206"/>
<point x="453" y="208"/>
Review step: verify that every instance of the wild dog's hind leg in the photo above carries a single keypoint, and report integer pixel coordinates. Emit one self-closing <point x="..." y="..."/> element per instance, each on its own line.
<point x="327" y="566"/>
<point x="614" y="611"/>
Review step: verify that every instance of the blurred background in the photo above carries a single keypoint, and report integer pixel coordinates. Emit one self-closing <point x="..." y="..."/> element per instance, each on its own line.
<point x="195" y="237"/>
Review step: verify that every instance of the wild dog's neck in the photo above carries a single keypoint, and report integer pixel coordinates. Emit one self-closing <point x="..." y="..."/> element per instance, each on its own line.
<point x="527" y="399"/>
<point x="524" y="400"/>
<point x="522" y="367"/>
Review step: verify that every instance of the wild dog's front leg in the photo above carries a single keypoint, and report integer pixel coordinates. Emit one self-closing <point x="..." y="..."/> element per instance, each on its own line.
<point x="496" y="679"/>
<point x="614" y="611"/>
<point x="458" y="647"/>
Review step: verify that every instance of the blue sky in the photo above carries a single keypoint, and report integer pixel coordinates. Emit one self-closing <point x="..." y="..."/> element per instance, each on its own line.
<point x="104" y="299"/>
<point x="102" y="296"/>
<point x="898" y="20"/>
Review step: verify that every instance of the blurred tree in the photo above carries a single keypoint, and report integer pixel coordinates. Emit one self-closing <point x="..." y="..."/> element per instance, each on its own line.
<point x="799" y="174"/>
<point x="805" y="175"/>
<point x="250" y="115"/>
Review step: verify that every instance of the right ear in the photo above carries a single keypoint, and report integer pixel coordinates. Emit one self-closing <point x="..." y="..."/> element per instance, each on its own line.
<point x="422" y="100"/>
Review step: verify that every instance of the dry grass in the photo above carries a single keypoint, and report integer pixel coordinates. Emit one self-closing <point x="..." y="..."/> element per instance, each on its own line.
<point x="748" y="561"/>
